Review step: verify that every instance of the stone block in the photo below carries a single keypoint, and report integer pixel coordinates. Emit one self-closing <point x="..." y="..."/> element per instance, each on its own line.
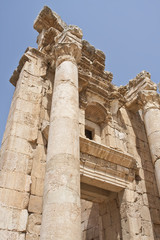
<point x="145" y="213"/>
<point x="92" y="222"/>
<point x="29" y="119"/>
<point x="147" y="229"/>
<point x="145" y="199"/>
<point x="40" y="154"/>
<point x="29" y="91"/>
<point x="129" y="195"/>
<point x="134" y="226"/>
<point x="44" y="114"/>
<point x="82" y="116"/>
<point x="81" y="129"/>
<point x="19" y="145"/>
<point x="157" y="231"/>
<point x="32" y="237"/>
<point x="35" y="204"/>
<point x="46" y="103"/>
<point x="24" y="131"/>
<point x="15" y="199"/>
<point x="40" y="138"/>
<point x="11" y="219"/>
<point x="106" y="220"/>
<point x="8" y="235"/>
<point x="13" y="161"/>
<point x="27" y="107"/>
<point x="38" y="168"/>
<point x="37" y="186"/>
<point x="16" y="181"/>
<point x="34" y="224"/>
<point x="155" y="215"/>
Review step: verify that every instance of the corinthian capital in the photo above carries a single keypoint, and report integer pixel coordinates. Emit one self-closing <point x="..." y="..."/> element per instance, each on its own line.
<point x="149" y="99"/>
<point x="68" y="45"/>
<point x="67" y="52"/>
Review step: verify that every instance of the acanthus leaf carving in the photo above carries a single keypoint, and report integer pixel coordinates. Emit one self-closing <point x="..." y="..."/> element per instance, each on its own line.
<point x="148" y="99"/>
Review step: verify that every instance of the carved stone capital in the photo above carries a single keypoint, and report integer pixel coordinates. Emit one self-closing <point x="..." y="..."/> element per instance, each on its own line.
<point x="67" y="52"/>
<point x="148" y="99"/>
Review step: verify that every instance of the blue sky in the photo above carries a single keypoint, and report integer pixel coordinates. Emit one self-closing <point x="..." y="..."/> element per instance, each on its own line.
<point x="127" y="31"/>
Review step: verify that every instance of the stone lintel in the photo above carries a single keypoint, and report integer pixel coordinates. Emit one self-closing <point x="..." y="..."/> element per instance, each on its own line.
<point x="102" y="180"/>
<point x="47" y="18"/>
<point x="94" y="194"/>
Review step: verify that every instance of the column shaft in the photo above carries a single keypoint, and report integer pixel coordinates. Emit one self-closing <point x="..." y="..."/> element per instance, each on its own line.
<point x="61" y="206"/>
<point x="152" y="125"/>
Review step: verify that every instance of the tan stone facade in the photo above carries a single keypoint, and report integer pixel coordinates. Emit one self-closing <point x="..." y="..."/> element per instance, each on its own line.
<point x="80" y="157"/>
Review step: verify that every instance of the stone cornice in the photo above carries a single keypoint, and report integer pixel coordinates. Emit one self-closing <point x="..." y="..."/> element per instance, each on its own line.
<point x="48" y="18"/>
<point x="135" y="86"/>
<point x="106" y="153"/>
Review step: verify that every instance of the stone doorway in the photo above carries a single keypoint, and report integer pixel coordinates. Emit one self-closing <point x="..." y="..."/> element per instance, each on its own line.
<point x="100" y="217"/>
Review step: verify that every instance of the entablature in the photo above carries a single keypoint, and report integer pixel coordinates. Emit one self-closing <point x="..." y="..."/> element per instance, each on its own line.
<point x="105" y="167"/>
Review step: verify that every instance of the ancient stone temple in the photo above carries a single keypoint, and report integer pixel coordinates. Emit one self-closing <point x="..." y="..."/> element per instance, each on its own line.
<point x="80" y="157"/>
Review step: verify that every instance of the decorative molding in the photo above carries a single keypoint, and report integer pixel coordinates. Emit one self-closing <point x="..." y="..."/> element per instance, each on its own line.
<point x="105" y="167"/>
<point x="102" y="180"/>
<point x="104" y="152"/>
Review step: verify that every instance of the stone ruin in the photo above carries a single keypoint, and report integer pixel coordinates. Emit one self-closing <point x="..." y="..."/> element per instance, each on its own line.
<point x="80" y="157"/>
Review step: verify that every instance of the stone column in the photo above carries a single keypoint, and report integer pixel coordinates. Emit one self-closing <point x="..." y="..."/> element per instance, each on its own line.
<point x="61" y="204"/>
<point x="151" y="112"/>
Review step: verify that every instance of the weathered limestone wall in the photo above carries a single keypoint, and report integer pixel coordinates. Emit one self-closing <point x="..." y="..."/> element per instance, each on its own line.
<point x="18" y="148"/>
<point x="23" y="151"/>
